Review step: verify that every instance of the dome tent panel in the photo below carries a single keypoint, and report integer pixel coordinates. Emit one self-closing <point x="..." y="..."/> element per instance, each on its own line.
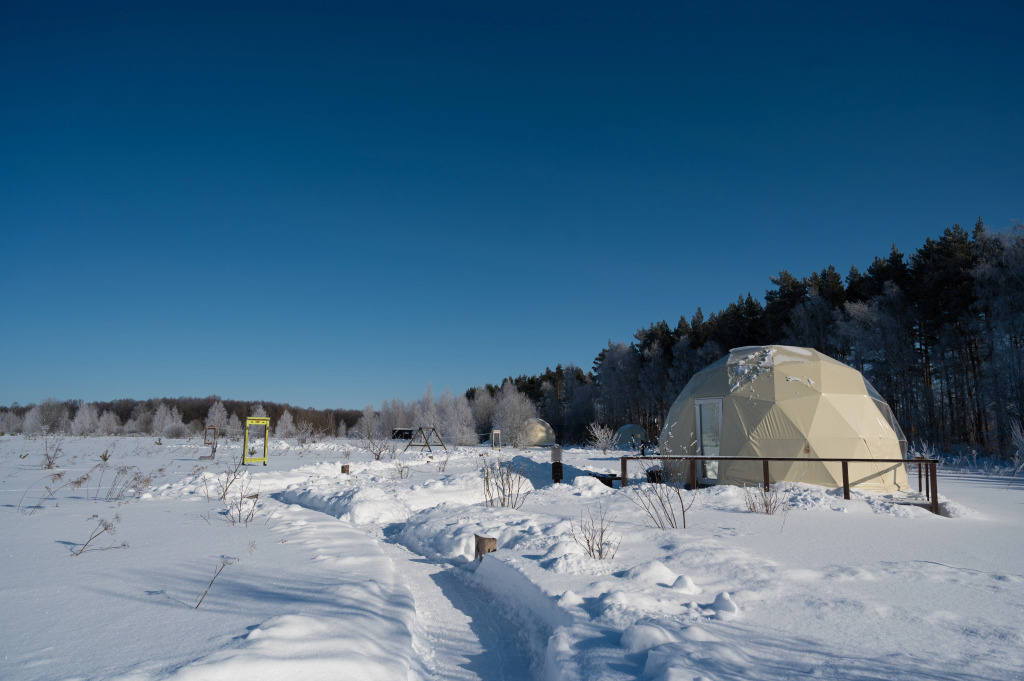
<point x="537" y="433"/>
<point x="631" y="436"/>
<point x="782" y="401"/>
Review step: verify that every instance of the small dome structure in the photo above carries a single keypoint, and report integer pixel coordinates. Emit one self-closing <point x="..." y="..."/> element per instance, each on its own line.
<point x="537" y="433"/>
<point x="782" y="401"/>
<point x="631" y="436"/>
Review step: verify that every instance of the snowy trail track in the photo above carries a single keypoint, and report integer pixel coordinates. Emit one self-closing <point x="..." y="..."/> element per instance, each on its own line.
<point x="458" y="633"/>
<point x="468" y="638"/>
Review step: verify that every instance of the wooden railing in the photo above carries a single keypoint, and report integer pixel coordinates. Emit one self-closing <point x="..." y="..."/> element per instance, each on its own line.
<point x="928" y="475"/>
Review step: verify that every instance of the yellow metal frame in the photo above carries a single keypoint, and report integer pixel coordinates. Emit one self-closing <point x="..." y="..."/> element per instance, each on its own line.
<point x="256" y="421"/>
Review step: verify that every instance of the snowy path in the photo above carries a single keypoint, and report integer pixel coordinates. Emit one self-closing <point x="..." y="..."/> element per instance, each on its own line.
<point x="467" y="639"/>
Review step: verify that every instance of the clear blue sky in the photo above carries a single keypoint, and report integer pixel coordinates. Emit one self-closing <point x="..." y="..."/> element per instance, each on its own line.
<point x="335" y="203"/>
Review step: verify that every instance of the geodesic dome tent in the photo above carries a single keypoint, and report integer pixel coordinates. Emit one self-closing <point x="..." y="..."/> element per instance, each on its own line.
<point x="537" y="433"/>
<point x="782" y="401"/>
<point x="631" y="436"/>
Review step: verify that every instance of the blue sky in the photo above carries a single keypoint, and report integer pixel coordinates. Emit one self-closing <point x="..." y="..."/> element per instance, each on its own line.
<point x="331" y="204"/>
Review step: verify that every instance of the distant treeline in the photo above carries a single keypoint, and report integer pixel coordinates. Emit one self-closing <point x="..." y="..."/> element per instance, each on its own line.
<point x="145" y="416"/>
<point x="939" y="333"/>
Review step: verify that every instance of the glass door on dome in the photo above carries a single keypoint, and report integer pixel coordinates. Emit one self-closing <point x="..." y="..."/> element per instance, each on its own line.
<point x="709" y="436"/>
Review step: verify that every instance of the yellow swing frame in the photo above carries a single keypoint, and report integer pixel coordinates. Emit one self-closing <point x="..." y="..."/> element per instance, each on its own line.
<point x="256" y="421"/>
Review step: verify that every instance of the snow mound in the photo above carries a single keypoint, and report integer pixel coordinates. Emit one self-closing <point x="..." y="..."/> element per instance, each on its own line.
<point x="651" y="573"/>
<point x="446" y="532"/>
<point x="362" y="506"/>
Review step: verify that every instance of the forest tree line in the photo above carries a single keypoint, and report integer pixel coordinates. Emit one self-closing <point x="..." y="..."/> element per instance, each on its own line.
<point x="168" y="416"/>
<point x="939" y="333"/>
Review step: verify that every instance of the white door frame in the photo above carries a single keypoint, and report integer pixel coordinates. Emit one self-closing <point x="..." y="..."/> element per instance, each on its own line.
<point x="708" y="471"/>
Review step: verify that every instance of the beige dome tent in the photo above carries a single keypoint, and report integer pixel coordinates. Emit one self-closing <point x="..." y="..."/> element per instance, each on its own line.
<point x="537" y="433"/>
<point x="781" y="401"/>
<point x="631" y="436"/>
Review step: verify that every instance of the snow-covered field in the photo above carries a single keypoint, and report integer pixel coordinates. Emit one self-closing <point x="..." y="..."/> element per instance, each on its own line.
<point x="370" y="575"/>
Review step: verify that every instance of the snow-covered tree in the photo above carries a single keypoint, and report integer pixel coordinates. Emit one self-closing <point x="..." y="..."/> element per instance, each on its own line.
<point x="285" y="426"/>
<point x="258" y="410"/>
<point x="141" y="420"/>
<point x="173" y="427"/>
<point x="483" y="408"/>
<point x="10" y="422"/>
<point x="33" y="422"/>
<point x="109" y="424"/>
<point x="512" y="410"/>
<point x="86" y="420"/>
<point x="217" y="416"/>
<point x="369" y="424"/>
<point x="161" y="419"/>
<point x="425" y="411"/>
<point x="234" y="425"/>
<point x="455" y="419"/>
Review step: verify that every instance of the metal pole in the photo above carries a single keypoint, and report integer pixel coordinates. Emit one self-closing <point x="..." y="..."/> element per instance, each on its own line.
<point x="933" y="474"/>
<point x="846" y="480"/>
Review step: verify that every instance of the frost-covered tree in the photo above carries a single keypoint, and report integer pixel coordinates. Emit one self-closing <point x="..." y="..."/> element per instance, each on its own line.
<point x="217" y="416"/>
<point x="425" y="411"/>
<point x="173" y="426"/>
<point x="33" y="422"/>
<point x="141" y="420"/>
<point x="512" y="410"/>
<point x="86" y="420"/>
<point x="482" y="405"/>
<point x="108" y="424"/>
<point x="369" y="424"/>
<point x="285" y="426"/>
<point x="10" y="422"/>
<point x="234" y="425"/>
<point x="455" y="419"/>
<point x="258" y="410"/>
<point x="161" y="419"/>
<point x="50" y="416"/>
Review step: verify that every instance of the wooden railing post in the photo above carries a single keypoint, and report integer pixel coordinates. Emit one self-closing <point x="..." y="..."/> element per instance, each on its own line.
<point x="933" y="475"/>
<point x="846" y="480"/>
<point x="764" y="465"/>
<point x="693" y="473"/>
<point x="625" y="480"/>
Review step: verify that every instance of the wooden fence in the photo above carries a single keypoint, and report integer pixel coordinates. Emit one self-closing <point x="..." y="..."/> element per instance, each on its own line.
<point x="927" y="470"/>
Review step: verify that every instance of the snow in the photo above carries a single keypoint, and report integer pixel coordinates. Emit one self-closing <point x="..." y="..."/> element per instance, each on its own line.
<point x="371" y="574"/>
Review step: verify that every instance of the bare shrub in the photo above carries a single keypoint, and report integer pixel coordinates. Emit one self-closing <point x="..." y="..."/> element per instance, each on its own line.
<point x="1017" y="436"/>
<point x="504" y="484"/>
<point x="128" y="482"/>
<point x="224" y="562"/>
<point x="594" y="534"/>
<point x="102" y="527"/>
<point x="243" y="507"/>
<point x="768" y="501"/>
<point x="601" y="437"/>
<point x="442" y="463"/>
<point x="663" y="502"/>
<point x="303" y="433"/>
<point x="402" y="470"/>
<point x="227" y="477"/>
<point x="51" y="449"/>
<point x="380" y="445"/>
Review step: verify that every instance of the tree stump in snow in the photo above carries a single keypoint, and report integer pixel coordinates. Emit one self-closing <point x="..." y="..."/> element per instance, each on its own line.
<point x="344" y="468"/>
<point x="485" y="545"/>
